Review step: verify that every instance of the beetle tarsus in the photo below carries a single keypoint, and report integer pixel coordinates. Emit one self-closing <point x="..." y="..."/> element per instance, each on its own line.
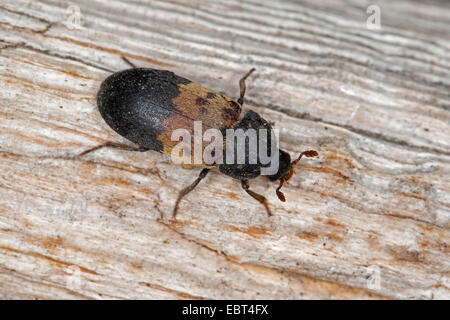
<point x="188" y="189"/>
<point x="261" y="199"/>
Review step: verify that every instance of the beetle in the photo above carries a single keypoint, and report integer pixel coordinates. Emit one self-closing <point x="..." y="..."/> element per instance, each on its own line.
<point x="145" y="105"/>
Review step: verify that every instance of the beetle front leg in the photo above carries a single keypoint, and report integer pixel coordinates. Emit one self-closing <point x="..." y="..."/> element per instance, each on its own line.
<point x="261" y="199"/>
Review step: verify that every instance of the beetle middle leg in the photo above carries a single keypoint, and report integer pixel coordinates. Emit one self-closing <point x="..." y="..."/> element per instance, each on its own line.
<point x="115" y="145"/>
<point x="188" y="189"/>
<point x="261" y="199"/>
<point x="242" y="86"/>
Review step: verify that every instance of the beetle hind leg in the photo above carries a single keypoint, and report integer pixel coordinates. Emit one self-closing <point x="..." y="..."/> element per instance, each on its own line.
<point x="261" y="199"/>
<point x="127" y="61"/>
<point x="188" y="189"/>
<point x="242" y="86"/>
<point x="115" y="145"/>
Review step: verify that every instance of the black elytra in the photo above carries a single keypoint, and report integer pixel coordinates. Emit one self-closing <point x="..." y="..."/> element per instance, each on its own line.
<point x="136" y="102"/>
<point x="142" y="104"/>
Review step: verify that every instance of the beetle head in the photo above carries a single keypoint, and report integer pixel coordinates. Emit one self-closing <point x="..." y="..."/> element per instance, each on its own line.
<point x="286" y="169"/>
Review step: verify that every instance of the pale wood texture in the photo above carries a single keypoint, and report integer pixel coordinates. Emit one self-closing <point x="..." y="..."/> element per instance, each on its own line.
<point x="369" y="219"/>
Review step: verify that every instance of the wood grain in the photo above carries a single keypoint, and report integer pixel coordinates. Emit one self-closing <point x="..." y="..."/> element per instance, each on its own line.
<point x="369" y="219"/>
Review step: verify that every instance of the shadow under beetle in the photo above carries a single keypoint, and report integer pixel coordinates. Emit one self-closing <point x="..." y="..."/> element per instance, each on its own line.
<point x="145" y="105"/>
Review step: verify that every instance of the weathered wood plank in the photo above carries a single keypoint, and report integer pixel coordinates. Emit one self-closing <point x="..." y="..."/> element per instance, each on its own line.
<point x="369" y="219"/>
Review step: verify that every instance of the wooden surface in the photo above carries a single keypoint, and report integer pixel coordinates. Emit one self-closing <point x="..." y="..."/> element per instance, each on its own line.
<point x="369" y="219"/>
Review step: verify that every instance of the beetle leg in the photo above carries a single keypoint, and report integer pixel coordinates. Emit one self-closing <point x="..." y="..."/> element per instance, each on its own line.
<point x="188" y="189"/>
<point x="261" y="199"/>
<point x="128" y="62"/>
<point x="115" y="145"/>
<point x="242" y="86"/>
